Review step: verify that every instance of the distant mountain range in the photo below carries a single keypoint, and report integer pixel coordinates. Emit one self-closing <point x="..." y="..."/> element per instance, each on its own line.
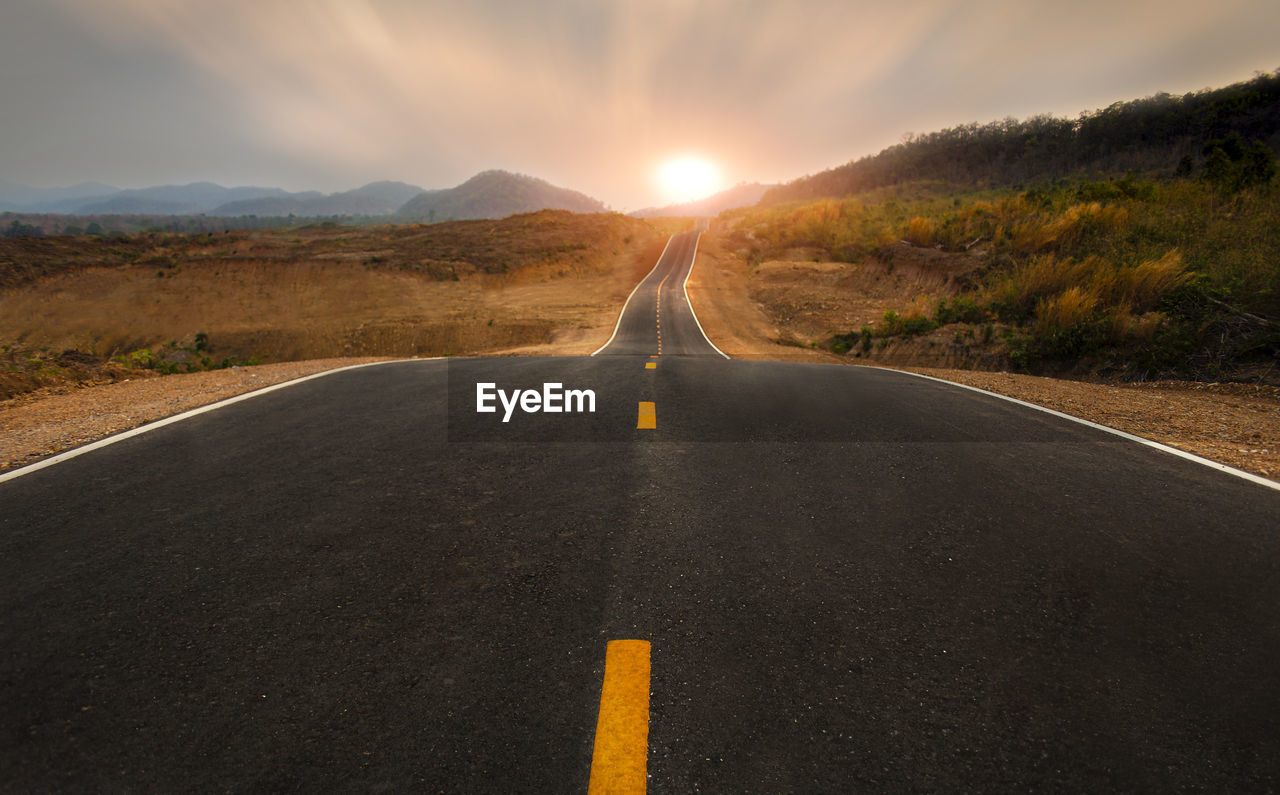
<point x="26" y="199"/>
<point x="490" y="194"/>
<point x="741" y="195"/>
<point x="376" y="198"/>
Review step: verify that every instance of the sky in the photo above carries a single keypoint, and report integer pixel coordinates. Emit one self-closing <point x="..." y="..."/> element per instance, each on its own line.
<point x="593" y="95"/>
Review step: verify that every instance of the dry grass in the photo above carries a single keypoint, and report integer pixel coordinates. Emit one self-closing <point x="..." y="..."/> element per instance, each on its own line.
<point x="1063" y="293"/>
<point x="1034" y="232"/>
<point x="921" y="232"/>
<point x="1068" y="309"/>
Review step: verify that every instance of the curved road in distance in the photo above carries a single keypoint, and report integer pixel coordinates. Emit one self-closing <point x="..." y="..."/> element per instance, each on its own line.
<point x="657" y="317"/>
<point x="851" y="579"/>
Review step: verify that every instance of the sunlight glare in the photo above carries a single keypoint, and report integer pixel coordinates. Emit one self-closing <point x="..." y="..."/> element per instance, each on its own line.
<point x="687" y="179"/>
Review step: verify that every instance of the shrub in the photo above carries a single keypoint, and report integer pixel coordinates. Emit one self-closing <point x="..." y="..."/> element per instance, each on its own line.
<point x="893" y="325"/>
<point x="961" y="309"/>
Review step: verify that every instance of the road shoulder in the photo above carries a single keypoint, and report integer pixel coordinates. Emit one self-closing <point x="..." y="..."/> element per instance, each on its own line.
<point x="46" y="422"/>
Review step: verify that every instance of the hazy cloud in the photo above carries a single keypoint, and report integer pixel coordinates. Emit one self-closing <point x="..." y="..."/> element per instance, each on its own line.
<point x="591" y="95"/>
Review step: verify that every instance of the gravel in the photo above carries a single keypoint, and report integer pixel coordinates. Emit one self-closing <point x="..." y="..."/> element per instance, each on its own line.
<point x="1233" y="424"/>
<point x="46" y="422"/>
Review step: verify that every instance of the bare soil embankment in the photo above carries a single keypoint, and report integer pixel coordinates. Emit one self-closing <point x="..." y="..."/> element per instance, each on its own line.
<point x="779" y="309"/>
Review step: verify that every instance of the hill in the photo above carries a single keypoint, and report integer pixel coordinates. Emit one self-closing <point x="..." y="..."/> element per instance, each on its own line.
<point x="1156" y="134"/>
<point x="740" y="195"/>
<point x="495" y="194"/>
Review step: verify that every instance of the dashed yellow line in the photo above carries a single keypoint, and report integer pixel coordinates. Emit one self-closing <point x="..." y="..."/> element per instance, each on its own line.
<point x="658" y="311"/>
<point x="651" y="365"/>
<point x="619" y="761"/>
<point x="647" y="417"/>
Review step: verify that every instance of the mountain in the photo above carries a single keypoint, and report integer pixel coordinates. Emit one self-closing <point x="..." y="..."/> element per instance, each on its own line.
<point x="741" y="195"/>
<point x="136" y="205"/>
<point x="376" y="198"/>
<point x="24" y="198"/>
<point x="1154" y="135"/>
<point x="396" y="193"/>
<point x="495" y="194"/>
<point x="289" y="204"/>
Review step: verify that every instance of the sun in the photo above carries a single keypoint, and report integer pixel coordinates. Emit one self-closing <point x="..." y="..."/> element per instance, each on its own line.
<point x="685" y="179"/>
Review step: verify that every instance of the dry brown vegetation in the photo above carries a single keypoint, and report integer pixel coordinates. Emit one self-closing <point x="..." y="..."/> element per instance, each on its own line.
<point x="84" y="309"/>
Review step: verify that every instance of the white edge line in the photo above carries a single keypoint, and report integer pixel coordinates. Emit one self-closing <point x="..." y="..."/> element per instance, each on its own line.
<point x="633" y="292"/>
<point x="151" y="426"/>
<point x="1240" y="473"/>
<point x="692" y="260"/>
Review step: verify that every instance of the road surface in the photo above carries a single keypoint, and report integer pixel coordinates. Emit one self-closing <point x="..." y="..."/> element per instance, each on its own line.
<point x="849" y="578"/>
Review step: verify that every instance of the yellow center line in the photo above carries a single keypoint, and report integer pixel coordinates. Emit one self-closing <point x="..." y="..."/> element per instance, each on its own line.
<point x="648" y="416"/>
<point x="651" y="365"/>
<point x="658" y="310"/>
<point x="619" y="761"/>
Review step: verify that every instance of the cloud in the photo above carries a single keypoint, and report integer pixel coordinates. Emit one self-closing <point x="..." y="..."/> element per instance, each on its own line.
<point x="570" y="88"/>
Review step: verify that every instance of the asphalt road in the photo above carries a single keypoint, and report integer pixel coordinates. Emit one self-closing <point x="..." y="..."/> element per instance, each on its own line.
<point x="852" y="579"/>
<point x="657" y="317"/>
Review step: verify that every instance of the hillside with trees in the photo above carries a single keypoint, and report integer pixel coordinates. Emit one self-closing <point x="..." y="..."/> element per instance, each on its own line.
<point x="1158" y="134"/>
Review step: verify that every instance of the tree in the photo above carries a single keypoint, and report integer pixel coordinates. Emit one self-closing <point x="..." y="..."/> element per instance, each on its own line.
<point x="1258" y="166"/>
<point x="1231" y="166"/>
<point x="1218" y="169"/>
<point x="19" y="229"/>
<point x="1232" y="145"/>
